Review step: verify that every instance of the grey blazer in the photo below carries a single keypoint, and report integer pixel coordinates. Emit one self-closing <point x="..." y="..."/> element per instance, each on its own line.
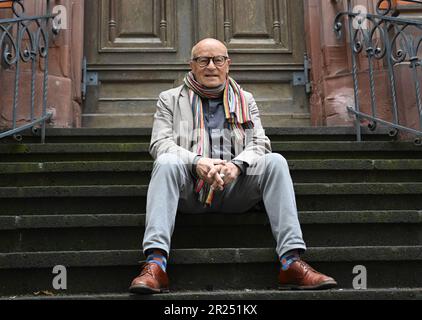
<point x="173" y="130"/>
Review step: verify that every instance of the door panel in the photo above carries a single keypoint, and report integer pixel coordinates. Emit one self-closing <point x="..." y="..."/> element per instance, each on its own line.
<point x="138" y="48"/>
<point x="256" y="25"/>
<point x="137" y="26"/>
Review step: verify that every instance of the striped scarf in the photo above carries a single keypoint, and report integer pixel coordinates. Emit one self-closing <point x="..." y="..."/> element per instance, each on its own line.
<point x="237" y="115"/>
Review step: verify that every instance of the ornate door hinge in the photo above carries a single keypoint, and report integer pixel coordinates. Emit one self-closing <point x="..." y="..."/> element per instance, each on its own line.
<point x="88" y="79"/>
<point x="303" y="78"/>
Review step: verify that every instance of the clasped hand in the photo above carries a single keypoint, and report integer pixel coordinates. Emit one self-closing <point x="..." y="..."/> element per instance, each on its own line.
<point x="209" y="170"/>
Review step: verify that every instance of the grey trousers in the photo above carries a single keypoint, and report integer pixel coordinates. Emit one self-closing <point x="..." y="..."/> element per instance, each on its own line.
<point x="172" y="189"/>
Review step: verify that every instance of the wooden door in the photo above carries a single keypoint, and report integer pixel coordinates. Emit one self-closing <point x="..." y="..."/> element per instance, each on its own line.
<point x="137" y="48"/>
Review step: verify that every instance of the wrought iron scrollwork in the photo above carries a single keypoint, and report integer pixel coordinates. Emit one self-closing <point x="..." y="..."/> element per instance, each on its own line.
<point x="386" y="39"/>
<point x="28" y="34"/>
<point x="24" y="39"/>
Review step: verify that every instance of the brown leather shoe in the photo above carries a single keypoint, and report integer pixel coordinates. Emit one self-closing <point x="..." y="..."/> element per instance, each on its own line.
<point x="301" y="276"/>
<point x="151" y="280"/>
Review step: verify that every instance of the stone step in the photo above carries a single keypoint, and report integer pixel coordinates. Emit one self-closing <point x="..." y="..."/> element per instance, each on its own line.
<point x="286" y="120"/>
<point x="138" y="172"/>
<point x="244" y="295"/>
<point x="117" y="199"/>
<point x="141" y="190"/>
<point x="130" y="106"/>
<point x="139" y="151"/>
<point x="304" y="146"/>
<point x="10" y="222"/>
<point x="145" y="120"/>
<point x="117" y="232"/>
<point x="146" y="166"/>
<point x="80" y="202"/>
<point x="104" y="258"/>
<point x="89" y="135"/>
<point x="125" y="204"/>
<point x="225" y="269"/>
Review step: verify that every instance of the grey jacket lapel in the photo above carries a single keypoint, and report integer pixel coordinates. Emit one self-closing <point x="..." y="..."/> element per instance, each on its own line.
<point x="184" y="121"/>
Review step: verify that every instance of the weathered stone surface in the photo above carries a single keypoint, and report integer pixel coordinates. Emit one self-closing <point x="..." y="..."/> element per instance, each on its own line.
<point x="248" y="294"/>
<point x="82" y="204"/>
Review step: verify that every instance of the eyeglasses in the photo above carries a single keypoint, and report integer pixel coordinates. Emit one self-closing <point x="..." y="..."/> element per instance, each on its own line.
<point x="218" y="61"/>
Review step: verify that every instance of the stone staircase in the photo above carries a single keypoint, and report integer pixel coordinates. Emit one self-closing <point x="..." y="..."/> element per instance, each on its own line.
<point x="79" y="201"/>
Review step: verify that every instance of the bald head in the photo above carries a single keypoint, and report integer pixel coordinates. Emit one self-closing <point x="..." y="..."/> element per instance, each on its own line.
<point x="211" y="75"/>
<point x="208" y="44"/>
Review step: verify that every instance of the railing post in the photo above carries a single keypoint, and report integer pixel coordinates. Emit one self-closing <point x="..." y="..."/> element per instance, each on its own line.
<point x="354" y="73"/>
<point x="45" y="91"/>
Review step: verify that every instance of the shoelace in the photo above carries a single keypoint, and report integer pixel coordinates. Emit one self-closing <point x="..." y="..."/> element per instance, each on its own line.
<point x="306" y="266"/>
<point x="146" y="269"/>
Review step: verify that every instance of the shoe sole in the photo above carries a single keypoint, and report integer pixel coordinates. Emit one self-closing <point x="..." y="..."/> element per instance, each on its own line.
<point x="322" y="286"/>
<point x="146" y="290"/>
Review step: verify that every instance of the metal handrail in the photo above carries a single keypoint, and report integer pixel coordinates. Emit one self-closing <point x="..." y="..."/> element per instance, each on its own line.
<point x="383" y="37"/>
<point x="25" y="40"/>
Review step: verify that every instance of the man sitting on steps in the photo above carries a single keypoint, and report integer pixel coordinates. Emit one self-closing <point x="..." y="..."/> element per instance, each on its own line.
<point x="212" y="155"/>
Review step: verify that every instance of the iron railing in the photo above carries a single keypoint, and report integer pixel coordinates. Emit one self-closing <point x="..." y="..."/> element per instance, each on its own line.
<point x="383" y="38"/>
<point x="24" y="42"/>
